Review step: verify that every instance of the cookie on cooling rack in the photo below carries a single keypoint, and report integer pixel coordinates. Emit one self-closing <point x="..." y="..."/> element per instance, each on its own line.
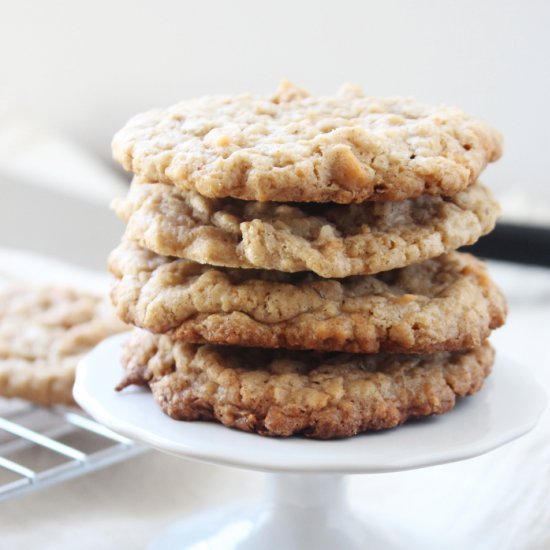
<point x="294" y="147"/>
<point x="44" y="331"/>
<point x="447" y="303"/>
<point x="281" y="392"/>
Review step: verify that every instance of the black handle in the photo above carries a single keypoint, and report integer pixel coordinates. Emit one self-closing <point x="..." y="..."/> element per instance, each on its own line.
<point x="525" y="244"/>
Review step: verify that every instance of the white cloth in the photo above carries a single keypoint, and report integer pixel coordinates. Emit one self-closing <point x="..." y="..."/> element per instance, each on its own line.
<point x="34" y="155"/>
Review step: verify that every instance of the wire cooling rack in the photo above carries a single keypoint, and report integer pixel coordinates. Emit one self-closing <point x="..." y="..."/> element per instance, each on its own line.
<point x="43" y="446"/>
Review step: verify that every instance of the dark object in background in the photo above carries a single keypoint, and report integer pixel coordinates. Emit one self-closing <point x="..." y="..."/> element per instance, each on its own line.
<point x="525" y="244"/>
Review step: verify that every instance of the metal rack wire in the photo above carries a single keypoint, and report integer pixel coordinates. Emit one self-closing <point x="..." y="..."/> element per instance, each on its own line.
<point x="43" y="446"/>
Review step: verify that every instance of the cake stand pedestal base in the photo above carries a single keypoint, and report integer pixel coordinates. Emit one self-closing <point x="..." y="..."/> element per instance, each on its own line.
<point x="298" y="511"/>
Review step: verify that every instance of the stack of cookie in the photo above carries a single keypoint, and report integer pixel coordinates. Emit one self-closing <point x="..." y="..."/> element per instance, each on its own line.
<point x="290" y="260"/>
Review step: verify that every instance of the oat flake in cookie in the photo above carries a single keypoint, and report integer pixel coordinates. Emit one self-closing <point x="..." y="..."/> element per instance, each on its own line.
<point x="281" y="393"/>
<point x="44" y="331"/>
<point x="295" y="147"/>
<point x="447" y="303"/>
<point x="330" y="240"/>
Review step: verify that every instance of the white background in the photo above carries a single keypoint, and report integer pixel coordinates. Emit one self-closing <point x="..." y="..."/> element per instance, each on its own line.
<point x="85" y="67"/>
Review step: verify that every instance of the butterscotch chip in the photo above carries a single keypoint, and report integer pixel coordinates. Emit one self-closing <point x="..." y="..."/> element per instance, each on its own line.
<point x="281" y="393"/>
<point x="330" y="240"/>
<point x="44" y="331"/>
<point x="294" y="147"/>
<point x="446" y="303"/>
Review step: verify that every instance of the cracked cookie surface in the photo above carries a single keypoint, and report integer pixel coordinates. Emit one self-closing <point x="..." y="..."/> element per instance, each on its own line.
<point x="330" y="240"/>
<point x="294" y="147"/>
<point x="44" y="331"/>
<point x="446" y="303"/>
<point x="281" y="392"/>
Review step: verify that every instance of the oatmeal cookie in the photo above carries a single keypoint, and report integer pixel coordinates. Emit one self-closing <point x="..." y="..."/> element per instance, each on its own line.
<point x="294" y="147"/>
<point x="281" y="392"/>
<point x="44" y="331"/>
<point x="330" y="240"/>
<point x="446" y="303"/>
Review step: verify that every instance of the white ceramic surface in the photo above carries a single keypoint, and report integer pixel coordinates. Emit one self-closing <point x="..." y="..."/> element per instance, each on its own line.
<point x="508" y="406"/>
<point x="299" y="512"/>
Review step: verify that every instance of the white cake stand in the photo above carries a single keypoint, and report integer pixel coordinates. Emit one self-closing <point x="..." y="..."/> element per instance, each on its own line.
<point x="305" y="506"/>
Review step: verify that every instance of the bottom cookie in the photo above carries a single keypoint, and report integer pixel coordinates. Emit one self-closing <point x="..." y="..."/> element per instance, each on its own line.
<point x="281" y="392"/>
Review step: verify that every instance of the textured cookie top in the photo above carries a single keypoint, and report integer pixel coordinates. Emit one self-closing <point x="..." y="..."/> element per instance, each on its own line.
<point x="295" y="147"/>
<point x="278" y="392"/>
<point x="43" y="333"/>
<point x="330" y="240"/>
<point x="440" y="304"/>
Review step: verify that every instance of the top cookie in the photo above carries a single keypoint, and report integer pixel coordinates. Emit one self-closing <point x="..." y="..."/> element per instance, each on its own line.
<point x="294" y="147"/>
